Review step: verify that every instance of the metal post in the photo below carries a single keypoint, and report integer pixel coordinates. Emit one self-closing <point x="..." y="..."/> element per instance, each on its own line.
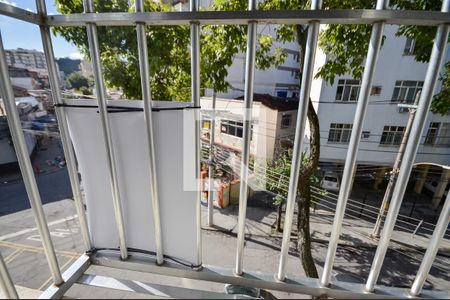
<point x="434" y="65"/>
<point x="210" y="166"/>
<point x="94" y="50"/>
<point x="432" y="249"/>
<point x="147" y="98"/>
<point x="26" y="169"/>
<point x="350" y="161"/>
<point x="305" y="89"/>
<point x="395" y="169"/>
<point x="245" y="154"/>
<point x="63" y="127"/>
<point x="195" y="92"/>
<point x="417" y="228"/>
<point x="6" y="283"/>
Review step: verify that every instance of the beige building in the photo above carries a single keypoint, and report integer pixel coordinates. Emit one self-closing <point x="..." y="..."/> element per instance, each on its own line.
<point x="273" y="124"/>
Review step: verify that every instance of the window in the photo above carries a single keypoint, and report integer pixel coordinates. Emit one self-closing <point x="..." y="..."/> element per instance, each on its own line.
<point x="443" y="137"/>
<point x="375" y="91"/>
<point x="286" y="121"/>
<point x="438" y="134"/>
<point x="340" y="133"/>
<point x="392" y="135"/>
<point x="406" y="90"/>
<point x="347" y="90"/>
<point x="234" y="128"/>
<point x="282" y="94"/>
<point x="365" y="134"/>
<point x="432" y="133"/>
<point x="206" y="124"/>
<point x="409" y="47"/>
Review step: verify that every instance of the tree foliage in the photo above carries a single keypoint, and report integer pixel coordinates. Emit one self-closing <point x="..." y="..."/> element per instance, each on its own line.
<point x="76" y="81"/>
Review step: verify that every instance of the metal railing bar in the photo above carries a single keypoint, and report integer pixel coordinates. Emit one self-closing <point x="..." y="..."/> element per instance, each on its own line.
<point x="70" y="276"/>
<point x="248" y="103"/>
<point x="294" y="284"/>
<point x="305" y="89"/>
<point x="433" y="247"/>
<point x="26" y="168"/>
<point x="350" y="161"/>
<point x="19" y="13"/>
<point x="94" y="50"/>
<point x="431" y="77"/>
<point x="147" y="99"/>
<point x="210" y="219"/>
<point x="341" y="16"/>
<point x="63" y="127"/>
<point x="6" y="283"/>
<point x="195" y="94"/>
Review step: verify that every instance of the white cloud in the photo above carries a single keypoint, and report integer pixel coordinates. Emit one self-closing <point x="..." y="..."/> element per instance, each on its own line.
<point x="9" y="2"/>
<point x="76" y="55"/>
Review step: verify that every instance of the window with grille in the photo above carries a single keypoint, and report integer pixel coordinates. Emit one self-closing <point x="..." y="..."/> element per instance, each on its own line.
<point x="432" y="133"/>
<point x="392" y="135"/>
<point x="286" y="121"/>
<point x="234" y="128"/>
<point x="438" y="134"/>
<point x="406" y="90"/>
<point x="410" y="46"/>
<point x="347" y="90"/>
<point x="340" y="133"/>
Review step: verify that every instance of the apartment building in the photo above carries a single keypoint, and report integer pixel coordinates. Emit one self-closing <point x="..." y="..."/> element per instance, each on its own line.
<point x="25" y="58"/>
<point x="397" y="80"/>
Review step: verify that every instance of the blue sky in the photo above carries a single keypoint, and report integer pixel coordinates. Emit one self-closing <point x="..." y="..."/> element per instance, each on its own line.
<point x="17" y="34"/>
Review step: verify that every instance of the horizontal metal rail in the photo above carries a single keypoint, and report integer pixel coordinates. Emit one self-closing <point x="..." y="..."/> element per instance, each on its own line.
<point x="344" y="16"/>
<point x="292" y="284"/>
<point x="20" y="14"/>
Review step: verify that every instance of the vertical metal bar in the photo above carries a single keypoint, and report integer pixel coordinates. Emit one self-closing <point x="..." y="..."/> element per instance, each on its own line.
<point x="432" y="249"/>
<point x="26" y="169"/>
<point x="102" y="105"/>
<point x="434" y="65"/>
<point x="147" y="98"/>
<point x="305" y="89"/>
<point x="6" y="283"/>
<point x="401" y="151"/>
<point x="195" y="92"/>
<point x="350" y="161"/>
<point x="211" y="167"/>
<point x="245" y="154"/>
<point x="63" y="126"/>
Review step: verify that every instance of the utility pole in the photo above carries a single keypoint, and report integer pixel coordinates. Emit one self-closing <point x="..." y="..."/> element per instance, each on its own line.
<point x="212" y="129"/>
<point x="396" y="168"/>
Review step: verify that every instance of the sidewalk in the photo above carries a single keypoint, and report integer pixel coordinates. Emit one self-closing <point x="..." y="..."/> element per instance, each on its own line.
<point x="259" y="222"/>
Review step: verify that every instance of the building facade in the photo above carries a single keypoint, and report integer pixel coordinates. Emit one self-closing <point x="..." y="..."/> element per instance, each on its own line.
<point x="26" y="58"/>
<point x="398" y="79"/>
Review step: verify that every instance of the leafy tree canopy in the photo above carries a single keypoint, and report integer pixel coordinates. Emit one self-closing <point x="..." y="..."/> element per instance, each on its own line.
<point x="345" y="46"/>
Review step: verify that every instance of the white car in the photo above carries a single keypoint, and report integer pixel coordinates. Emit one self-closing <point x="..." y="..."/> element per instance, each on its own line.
<point x="330" y="182"/>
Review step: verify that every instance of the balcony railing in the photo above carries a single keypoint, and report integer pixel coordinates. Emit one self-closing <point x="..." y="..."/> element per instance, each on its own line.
<point x="378" y="18"/>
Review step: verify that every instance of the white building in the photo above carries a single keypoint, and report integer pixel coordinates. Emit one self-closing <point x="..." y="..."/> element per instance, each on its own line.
<point x="398" y="78"/>
<point x="25" y="58"/>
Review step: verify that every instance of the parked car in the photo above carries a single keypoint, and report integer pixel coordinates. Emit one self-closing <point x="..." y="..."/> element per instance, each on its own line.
<point x="330" y="182"/>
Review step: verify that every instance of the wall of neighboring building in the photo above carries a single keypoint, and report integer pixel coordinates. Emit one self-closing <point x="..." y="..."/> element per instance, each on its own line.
<point x="24" y="82"/>
<point x="281" y="81"/>
<point x="392" y="66"/>
<point x="266" y="126"/>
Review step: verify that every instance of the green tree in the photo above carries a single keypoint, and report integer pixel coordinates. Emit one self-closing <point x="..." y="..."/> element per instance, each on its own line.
<point x="76" y="81"/>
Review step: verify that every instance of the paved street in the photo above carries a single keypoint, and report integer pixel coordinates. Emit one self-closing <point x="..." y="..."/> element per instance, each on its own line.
<point x="53" y="186"/>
